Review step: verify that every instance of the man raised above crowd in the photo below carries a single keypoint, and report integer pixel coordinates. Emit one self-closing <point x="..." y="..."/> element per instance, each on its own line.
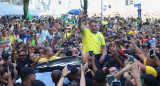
<point x="92" y="39"/>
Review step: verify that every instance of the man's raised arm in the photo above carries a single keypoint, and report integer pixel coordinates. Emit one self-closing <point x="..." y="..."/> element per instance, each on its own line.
<point x="80" y="16"/>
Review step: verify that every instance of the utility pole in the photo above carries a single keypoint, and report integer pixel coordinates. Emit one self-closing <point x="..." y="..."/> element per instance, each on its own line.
<point x="85" y="7"/>
<point x="101" y="10"/>
<point x="128" y="3"/>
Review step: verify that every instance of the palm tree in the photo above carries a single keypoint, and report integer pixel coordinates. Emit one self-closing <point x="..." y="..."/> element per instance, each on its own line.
<point x="25" y="8"/>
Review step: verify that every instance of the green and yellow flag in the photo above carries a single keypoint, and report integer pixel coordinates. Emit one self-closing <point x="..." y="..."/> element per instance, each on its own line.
<point x="29" y="16"/>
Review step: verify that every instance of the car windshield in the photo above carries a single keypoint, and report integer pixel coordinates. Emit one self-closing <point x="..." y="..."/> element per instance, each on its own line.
<point x="47" y="79"/>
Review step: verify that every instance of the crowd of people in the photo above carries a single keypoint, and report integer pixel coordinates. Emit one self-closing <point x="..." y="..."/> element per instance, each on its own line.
<point x="116" y="51"/>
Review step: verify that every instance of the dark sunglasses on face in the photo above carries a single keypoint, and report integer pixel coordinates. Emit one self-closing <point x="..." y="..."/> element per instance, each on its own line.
<point x="21" y="55"/>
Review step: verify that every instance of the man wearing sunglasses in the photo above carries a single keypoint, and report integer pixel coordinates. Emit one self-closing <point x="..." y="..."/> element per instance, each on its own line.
<point x="23" y="61"/>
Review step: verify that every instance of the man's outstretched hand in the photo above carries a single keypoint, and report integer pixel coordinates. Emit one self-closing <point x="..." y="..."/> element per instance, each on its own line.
<point x="81" y="14"/>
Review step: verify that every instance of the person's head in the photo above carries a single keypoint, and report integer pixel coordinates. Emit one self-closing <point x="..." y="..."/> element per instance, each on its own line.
<point x="48" y="51"/>
<point x="22" y="55"/>
<point x="32" y="49"/>
<point x="100" y="78"/>
<point x="24" y="31"/>
<point x="73" y="29"/>
<point x="37" y="49"/>
<point x="41" y="51"/>
<point x="5" y="57"/>
<point x="157" y="49"/>
<point x="3" y="32"/>
<point x="27" y="74"/>
<point x="111" y="70"/>
<point x="38" y="83"/>
<point x="93" y="26"/>
<point x="68" y="53"/>
<point x="75" y="50"/>
<point x="73" y="74"/>
<point x="56" y="75"/>
<point x="31" y="56"/>
<point x="2" y="44"/>
<point x="51" y="31"/>
<point x="84" y="22"/>
<point x="133" y="28"/>
<point x="66" y="30"/>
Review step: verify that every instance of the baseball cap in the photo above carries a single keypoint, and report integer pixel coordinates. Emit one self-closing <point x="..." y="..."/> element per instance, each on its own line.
<point x="34" y="28"/>
<point x="24" y="28"/>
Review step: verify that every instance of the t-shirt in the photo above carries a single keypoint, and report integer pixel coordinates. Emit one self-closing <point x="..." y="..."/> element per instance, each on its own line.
<point x="12" y="38"/>
<point x="92" y="42"/>
<point x="42" y="36"/>
<point x="104" y="22"/>
<point x="132" y="32"/>
<point x="50" y="38"/>
<point x="23" y="37"/>
<point x="21" y="64"/>
<point x="51" y="58"/>
<point x="66" y="35"/>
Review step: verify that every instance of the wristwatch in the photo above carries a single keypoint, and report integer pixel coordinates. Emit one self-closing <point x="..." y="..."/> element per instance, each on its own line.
<point x="63" y="76"/>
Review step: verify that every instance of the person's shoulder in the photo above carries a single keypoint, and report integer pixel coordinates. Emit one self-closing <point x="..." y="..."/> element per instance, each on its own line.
<point x="99" y="33"/>
<point x="28" y="60"/>
<point x="21" y="34"/>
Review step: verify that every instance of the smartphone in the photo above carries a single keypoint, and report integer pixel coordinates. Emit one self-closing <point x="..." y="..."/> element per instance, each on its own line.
<point x="69" y="67"/>
<point x="131" y="58"/>
<point x="128" y="37"/>
<point x="91" y="53"/>
<point x="116" y="83"/>
<point x="109" y="79"/>
<point x="151" y="52"/>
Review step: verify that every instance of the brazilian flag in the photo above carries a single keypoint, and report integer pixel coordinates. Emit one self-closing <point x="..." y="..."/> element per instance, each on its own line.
<point x="29" y="16"/>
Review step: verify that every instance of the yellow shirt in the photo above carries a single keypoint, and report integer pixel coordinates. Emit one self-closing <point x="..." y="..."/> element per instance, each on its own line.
<point x="149" y="69"/>
<point x="12" y="38"/>
<point x="132" y="32"/>
<point x="54" y="58"/>
<point x="104" y="22"/>
<point x="4" y="38"/>
<point x="45" y="59"/>
<point x="92" y="42"/>
<point x="66" y="35"/>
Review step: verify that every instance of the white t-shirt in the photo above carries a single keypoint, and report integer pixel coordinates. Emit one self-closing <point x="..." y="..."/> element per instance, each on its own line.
<point x="42" y="36"/>
<point x="51" y="36"/>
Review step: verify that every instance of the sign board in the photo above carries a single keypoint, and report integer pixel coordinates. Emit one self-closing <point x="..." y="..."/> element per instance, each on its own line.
<point x="137" y="5"/>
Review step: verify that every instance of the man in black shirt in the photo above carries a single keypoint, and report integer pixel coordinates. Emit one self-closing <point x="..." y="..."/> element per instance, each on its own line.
<point x="23" y="61"/>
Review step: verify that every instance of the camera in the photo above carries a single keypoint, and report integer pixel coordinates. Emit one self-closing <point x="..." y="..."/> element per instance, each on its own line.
<point x="109" y="79"/>
<point x="151" y="52"/>
<point x="131" y="58"/>
<point x="116" y="83"/>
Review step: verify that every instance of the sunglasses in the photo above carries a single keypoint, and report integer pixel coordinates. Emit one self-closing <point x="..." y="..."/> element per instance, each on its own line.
<point x="21" y="55"/>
